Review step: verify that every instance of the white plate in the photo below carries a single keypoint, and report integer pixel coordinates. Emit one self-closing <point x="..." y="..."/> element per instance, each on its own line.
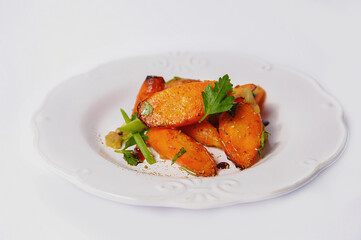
<point x="308" y="132"/>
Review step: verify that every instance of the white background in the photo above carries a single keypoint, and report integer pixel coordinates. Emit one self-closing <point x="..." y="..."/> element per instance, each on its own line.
<point x="44" y="42"/>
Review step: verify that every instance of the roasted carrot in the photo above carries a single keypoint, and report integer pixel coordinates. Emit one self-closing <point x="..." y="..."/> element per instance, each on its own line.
<point x="259" y="92"/>
<point x="204" y="133"/>
<point x="178" y="81"/>
<point x="177" y="106"/>
<point x="241" y="134"/>
<point x="237" y="90"/>
<point x="260" y="96"/>
<point x="151" y="85"/>
<point x="195" y="158"/>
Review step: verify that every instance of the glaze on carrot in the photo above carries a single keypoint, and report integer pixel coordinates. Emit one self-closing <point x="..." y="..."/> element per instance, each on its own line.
<point x="204" y="133"/>
<point x="179" y="81"/>
<point x="177" y="106"/>
<point x="168" y="143"/>
<point x="241" y="134"/>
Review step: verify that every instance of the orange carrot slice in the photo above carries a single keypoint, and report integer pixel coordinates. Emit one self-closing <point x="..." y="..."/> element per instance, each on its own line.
<point x="196" y="159"/>
<point x="241" y="134"/>
<point x="204" y="133"/>
<point x="177" y="106"/>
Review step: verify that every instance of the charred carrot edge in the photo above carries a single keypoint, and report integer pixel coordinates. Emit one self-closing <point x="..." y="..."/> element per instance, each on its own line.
<point x="241" y="135"/>
<point x="151" y="85"/>
<point x="177" y="106"/>
<point x="204" y="133"/>
<point x="168" y="142"/>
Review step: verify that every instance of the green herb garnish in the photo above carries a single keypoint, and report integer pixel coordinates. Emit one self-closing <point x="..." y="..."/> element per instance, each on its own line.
<point x="133" y="126"/>
<point x="139" y="141"/>
<point x="216" y="100"/>
<point x="262" y="141"/>
<point x="131" y="141"/>
<point x="148" y="109"/>
<point x="133" y="117"/>
<point x="129" y="156"/>
<point x="189" y="171"/>
<point x="180" y="153"/>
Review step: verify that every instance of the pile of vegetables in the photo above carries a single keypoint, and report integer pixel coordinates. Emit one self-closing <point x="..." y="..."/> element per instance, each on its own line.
<point x="179" y="117"/>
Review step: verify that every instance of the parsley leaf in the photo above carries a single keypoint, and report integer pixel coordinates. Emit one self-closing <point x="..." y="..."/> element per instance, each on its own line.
<point x="216" y="100"/>
<point x="180" y="153"/>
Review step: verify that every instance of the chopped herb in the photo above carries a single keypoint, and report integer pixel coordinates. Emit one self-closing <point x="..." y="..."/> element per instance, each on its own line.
<point x="254" y="94"/>
<point x="148" y="109"/>
<point x="180" y="153"/>
<point x="134" y="116"/>
<point x="126" y="136"/>
<point x="133" y="126"/>
<point x="129" y="156"/>
<point x="216" y="100"/>
<point x="262" y="141"/>
<point x="131" y="141"/>
<point x="139" y="141"/>
<point x="189" y="171"/>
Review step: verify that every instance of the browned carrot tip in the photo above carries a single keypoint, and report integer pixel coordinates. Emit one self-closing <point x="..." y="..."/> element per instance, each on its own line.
<point x="151" y="85"/>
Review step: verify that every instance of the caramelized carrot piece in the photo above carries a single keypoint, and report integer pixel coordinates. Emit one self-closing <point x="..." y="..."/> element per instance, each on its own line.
<point x="168" y="143"/>
<point x="237" y="90"/>
<point x="259" y="92"/>
<point x="204" y="133"/>
<point x="179" y="81"/>
<point x="241" y="134"/>
<point x="260" y="96"/>
<point x="151" y="85"/>
<point x="174" y="107"/>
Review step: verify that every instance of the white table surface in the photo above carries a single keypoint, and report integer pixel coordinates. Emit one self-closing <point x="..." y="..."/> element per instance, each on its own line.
<point x="44" y="42"/>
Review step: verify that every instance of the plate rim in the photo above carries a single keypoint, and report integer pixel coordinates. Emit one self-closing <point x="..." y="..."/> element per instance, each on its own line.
<point x="319" y="168"/>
